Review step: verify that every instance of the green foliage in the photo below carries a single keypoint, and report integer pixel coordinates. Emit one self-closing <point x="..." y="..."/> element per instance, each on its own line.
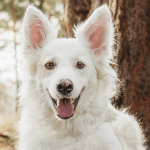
<point x="15" y="9"/>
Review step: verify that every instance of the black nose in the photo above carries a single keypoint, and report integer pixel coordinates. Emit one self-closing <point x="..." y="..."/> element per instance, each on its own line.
<point x="65" y="87"/>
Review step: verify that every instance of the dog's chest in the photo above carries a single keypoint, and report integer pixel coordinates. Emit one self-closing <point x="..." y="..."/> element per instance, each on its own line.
<point x="70" y="143"/>
<point x="100" y="139"/>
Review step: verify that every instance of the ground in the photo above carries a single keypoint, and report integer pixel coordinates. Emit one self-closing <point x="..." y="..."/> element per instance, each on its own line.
<point x="7" y="132"/>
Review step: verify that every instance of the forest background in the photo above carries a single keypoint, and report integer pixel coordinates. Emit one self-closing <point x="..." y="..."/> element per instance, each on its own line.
<point x="132" y="47"/>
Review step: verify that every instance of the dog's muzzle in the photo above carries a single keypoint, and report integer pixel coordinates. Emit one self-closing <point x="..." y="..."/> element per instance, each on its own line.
<point x="65" y="107"/>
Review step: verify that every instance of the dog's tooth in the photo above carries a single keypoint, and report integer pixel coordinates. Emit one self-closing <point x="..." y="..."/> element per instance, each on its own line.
<point x="73" y="100"/>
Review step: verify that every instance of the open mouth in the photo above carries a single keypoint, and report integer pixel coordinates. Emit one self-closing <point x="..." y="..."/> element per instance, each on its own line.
<point x="65" y="107"/>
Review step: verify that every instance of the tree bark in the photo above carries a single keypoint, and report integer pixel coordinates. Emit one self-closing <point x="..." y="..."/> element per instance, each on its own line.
<point x="132" y="21"/>
<point x="77" y="11"/>
<point x="97" y="3"/>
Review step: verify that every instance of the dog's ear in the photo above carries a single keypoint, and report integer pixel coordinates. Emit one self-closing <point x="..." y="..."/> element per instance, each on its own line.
<point x="36" y="29"/>
<point x="97" y="32"/>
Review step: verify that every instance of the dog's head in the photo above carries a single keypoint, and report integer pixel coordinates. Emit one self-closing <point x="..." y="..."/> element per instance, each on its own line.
<point x="68" y="70"/>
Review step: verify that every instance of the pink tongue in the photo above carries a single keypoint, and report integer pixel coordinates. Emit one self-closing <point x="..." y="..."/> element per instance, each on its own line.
<point x="65" y="108"/>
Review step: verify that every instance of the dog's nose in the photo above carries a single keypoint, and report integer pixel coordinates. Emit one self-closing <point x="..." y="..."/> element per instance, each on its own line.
<point x="65" y="87"/>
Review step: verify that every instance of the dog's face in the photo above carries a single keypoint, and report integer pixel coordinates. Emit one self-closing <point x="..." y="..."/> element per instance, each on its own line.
<point x="66" y="68"/>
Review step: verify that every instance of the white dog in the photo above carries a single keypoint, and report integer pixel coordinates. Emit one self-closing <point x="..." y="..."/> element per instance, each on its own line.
<point x="65" y="96"/>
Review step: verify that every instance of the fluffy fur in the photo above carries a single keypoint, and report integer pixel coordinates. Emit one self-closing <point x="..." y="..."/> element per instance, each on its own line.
<point x="96" y="125"/>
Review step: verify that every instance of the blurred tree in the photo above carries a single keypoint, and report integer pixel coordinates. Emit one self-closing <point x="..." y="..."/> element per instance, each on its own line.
<point x="97" y="3"/>
<point x="14" y="9"/>
<point x="77" y="11"/>
<point x="132" y="20"/>
<point x="5" y="99"/>
<point x="41" y="4"/>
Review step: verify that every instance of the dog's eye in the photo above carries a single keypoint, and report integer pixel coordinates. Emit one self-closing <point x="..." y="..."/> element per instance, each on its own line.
<point x="49" y="65"/>
<point x="80" y="65"/>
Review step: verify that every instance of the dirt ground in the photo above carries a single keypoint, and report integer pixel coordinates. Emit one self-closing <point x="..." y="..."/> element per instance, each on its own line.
<point x="7" y="132"/>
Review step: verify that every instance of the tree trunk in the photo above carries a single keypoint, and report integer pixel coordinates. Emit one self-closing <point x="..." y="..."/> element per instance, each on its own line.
<point x="15" y="48"/>
<point x="97" y="3"/>
<point x="132" y="20"/>
<point x="41" y="5"/>
<point x="77" y="11"/>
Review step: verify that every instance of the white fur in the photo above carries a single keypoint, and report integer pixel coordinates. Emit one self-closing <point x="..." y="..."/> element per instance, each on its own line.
<point x="96" y="124"/>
